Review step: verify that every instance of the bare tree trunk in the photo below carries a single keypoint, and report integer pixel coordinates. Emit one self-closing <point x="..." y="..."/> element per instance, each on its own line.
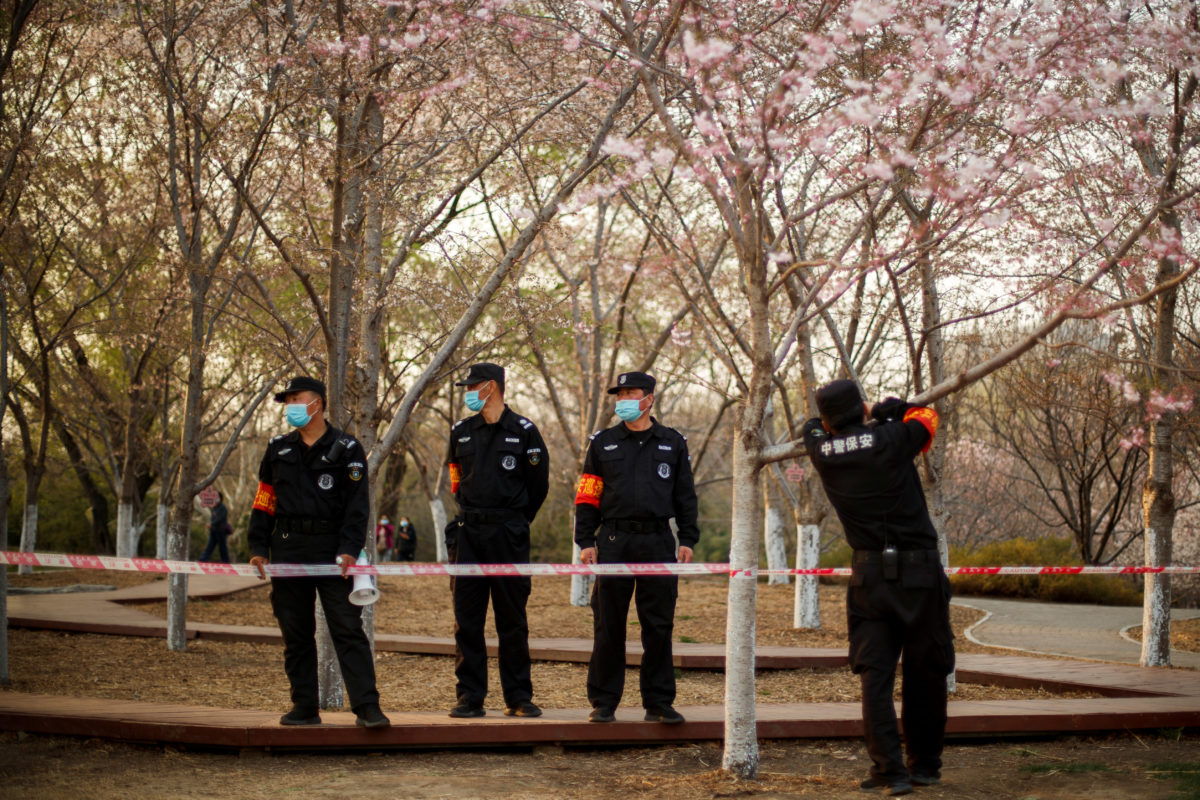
<point x="162" y="519"/>
<point x="329" y="674"/>
<point x="437" y="510"/>
<point x="1158" y="495"/>
<point x="773" y="536"/>
<point x="581" y="585"/>
<point x="806" y="613"/>
<point x="774" y="527"/>
<point x="741" y="729"/>
<point x="29" y="523"/>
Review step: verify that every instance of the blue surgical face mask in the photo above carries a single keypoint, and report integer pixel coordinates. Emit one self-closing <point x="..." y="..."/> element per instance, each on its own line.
<point x="474" y="401"/>
<point x="629" y="410"/>
<point x="297" y="414"/>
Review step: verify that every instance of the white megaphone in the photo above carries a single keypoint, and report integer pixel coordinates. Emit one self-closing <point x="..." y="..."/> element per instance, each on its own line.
<point x="365" y="592"/>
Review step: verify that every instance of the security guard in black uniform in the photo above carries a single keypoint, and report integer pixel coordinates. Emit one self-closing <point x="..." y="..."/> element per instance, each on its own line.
<point x="898" y="600"/>
<point x="311" y="507"/>
<point x="636" y="476"/>
<point x="499" y="474"/>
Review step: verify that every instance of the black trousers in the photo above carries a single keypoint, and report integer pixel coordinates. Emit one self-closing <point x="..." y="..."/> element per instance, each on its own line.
<point x="294" y="603"/>
<point x="654" y="597"/>
<point x="504" y="542"/>
<point x="909" y="616"/>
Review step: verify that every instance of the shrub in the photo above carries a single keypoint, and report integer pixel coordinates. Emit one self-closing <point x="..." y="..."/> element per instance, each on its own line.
<point x="1048" y="551"/>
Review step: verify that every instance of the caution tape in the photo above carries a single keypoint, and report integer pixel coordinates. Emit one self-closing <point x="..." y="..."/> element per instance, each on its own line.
<point x="63" y="560"/>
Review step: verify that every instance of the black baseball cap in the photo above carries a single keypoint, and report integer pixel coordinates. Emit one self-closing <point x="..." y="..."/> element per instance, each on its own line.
<point x="634" y="380"/>
<point x="483" y="371"/>
<point x="301" y="383"/>
<point x="839" y="402"/>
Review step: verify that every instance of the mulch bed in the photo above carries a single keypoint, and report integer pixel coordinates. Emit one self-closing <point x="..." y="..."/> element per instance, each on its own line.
<point x="250" y="676"/>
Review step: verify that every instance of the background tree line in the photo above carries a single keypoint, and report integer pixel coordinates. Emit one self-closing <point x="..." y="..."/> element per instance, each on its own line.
<point x="989" y="208"/>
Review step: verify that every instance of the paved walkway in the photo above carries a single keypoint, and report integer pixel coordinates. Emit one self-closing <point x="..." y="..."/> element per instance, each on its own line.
<point x="1074" y="630"/>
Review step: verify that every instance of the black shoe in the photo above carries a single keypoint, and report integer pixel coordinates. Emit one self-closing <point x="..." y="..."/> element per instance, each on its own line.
<point x="893" y="788"/>
<point x="664" y="714"/>
<point x="602" y="714"/>
<point x="300" y="716"/>
<point x="926" y="780"/>
<point x="369" y="716"/>
<point x="523" y="709"/>
<point x="466" y="710"/>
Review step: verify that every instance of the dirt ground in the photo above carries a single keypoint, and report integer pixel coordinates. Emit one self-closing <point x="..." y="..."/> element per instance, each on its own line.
<point x="1119" y="767"/>
<point x="243" y="675"/>
<point x="1164" y="764"/>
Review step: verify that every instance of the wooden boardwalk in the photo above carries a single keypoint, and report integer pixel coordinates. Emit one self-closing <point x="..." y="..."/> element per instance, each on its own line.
<point x="1133" y="697"/>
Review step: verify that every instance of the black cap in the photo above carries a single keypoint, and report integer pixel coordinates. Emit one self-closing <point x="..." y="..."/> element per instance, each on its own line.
<point x="839" y="403"/>
<point x="301" y="383"/>
<point x="634" y="380"/>
<point x="483" y="371"/>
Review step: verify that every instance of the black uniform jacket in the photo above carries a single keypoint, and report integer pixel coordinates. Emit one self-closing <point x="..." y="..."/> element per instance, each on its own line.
<point x="319" y="492"/>
<point x="626" y="480"/>
<point x="498" y="466"/>
<point x="871" y="481"/>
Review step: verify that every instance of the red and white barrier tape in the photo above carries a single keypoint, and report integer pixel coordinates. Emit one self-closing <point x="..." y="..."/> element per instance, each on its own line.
<point x="469" y="570"/>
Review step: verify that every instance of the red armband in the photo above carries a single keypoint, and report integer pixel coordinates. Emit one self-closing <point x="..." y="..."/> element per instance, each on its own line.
<point x="589" y="490"/>
<point x="927" y="417"/>
<point x="455" y="478"/>
<point x="264" y="498"/>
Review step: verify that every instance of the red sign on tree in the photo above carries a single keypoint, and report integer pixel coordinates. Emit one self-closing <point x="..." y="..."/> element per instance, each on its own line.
<point x="208" y="497"/>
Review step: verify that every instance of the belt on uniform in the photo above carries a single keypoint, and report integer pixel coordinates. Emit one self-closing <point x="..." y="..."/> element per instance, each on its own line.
<point x="906" y="557"/>
<point x="491" y="516"/>
<point x="636" y="525"/>
<point x="306" y="525"/>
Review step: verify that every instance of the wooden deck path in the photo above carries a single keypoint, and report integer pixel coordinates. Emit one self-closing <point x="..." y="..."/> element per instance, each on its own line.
<point x="106" y="613"/>
<point x="1133" y="697"/>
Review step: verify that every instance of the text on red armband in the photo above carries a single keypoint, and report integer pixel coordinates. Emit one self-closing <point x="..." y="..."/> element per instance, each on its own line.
<point x="455" y="478"/>
<point x="264" y="498"/>
<point x="589" y="490"/>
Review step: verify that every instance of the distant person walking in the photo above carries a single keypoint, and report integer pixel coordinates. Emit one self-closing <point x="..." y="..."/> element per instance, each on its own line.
<point x="406" y="541"/>
<point x="385" y="539"/>
<point x="218" y="531"/>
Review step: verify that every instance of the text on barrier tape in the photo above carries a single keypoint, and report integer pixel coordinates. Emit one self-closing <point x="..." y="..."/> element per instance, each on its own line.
<point x="493" y="570"/>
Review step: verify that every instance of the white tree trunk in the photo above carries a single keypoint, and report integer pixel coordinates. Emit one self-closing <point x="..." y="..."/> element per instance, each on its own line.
<point x="29" y="523"/>
<point x="126" y="543"/>
<point x="1156" y="607"/>
<point x="773" y="538"/>
<point x="741" y="728"/>
<point x="807" y="611"/>
<point x="774" y="527"/>
<point x="437" y="510"/>
<point x="163" y="517"/>
<point x="329" y="674"/>
<point x="581" y="585"/>
<point x="177" y="582"/>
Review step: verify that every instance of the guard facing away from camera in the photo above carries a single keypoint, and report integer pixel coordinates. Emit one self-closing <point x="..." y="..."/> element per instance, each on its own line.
<point x="311" y="507"/>
<point x="898" y="601"/>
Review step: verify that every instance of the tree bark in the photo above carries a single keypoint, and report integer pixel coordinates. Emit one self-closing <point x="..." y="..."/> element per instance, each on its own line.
<point x="741" y="755"/>
<point x="806" y="613"/>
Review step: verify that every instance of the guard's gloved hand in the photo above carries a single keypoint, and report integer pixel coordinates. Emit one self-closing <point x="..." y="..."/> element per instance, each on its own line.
<point x="889" y="409"/>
